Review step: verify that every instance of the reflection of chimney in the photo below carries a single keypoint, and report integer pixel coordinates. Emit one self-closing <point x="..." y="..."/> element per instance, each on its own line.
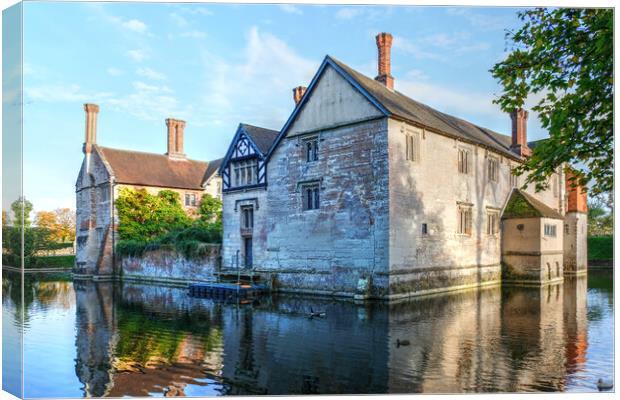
<point x="384" y="46"/>
<point x="176" y="129"/>
<point x="91" y="127"/>
<point x="298" y="93"/>
<point x="519" y="133"/>
<point x="577" y="195"/>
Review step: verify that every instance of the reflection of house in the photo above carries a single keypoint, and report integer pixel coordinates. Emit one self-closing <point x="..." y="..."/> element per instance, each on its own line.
<point x="364" y="184"/>
<point x="106" y="170"/>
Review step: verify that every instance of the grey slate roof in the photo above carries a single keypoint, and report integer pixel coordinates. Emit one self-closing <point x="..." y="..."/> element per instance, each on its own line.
<point x="406" y="108"/>
<point x="262" y="137"/>
<point x="523" y="205"/>
<point x="212" y="168"/>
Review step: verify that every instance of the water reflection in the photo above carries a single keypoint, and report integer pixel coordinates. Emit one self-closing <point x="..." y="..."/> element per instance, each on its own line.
<point x="141" y="340"/>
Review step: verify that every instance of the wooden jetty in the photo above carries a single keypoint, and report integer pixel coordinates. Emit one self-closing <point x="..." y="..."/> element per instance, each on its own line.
<point x="225" y="291"/>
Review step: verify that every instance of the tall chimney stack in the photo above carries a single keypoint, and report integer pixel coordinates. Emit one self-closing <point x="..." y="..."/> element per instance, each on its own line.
<point x="519" y="132"/>
<point x="176" y="129"/>
<point x="91" y="127"/>
<point x="384" y="46"/>
<point x="577" y="195"/>
<point x="298" y="93"/>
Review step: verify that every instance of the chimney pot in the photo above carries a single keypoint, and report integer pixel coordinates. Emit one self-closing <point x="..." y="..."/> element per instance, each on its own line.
<point x="519" y="132"/>
<point x="176" y="128"/>
<point x="384" y="67"/>
<point x="298" y="93"/>
<point x="91" y="127"/>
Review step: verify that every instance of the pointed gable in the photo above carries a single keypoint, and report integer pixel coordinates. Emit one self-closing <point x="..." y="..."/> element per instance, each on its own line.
<point x="332" y="101"/>
<point x="522" y="205"/>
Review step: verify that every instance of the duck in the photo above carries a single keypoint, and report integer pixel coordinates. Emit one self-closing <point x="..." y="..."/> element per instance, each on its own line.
<point x="402" y="343"/>
<point x="604" y="384"/>
<point x="313" y="314"/>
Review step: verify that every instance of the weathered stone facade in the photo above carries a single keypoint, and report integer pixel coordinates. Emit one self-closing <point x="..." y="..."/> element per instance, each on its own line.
<point x="106" y="171"/>
<point x="388" y="222"/>
<point x="171" y="267"/>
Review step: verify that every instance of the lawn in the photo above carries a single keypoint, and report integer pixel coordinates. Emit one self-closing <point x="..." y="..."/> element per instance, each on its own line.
<point x="600" y="248"/>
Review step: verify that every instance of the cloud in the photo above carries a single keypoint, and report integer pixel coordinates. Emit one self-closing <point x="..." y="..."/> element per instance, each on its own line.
<point x="481" y="21"/>
<point x="446" y="98"/>
<point x="148" y="102"/>
<point x="151" y="74"/>
<point x="349" y="12"/>
<point x="138" y="55"/>
<point x="198" y="11"/>
<point x="114" y="71"/>
<point x="135" y="25"/>
<point x="291" y="9"/>
<point x="440" y="46"/>
<point x="268" y="67"/>
<point x="179" y="20"/>
<point x="55" y="93"/>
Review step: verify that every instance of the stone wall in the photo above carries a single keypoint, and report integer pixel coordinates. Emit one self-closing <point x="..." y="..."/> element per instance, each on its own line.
<point x="94" y="219"/>
<point x="171" y="267"/>
<point x="575" y="242"/>
<point x="428" y="191"/>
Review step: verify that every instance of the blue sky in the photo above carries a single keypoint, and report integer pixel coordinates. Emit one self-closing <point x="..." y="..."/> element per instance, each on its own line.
<point x="217" y="65"/>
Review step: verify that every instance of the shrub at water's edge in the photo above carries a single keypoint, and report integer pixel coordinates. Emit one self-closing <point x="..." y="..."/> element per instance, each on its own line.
<point x="600" y="248"/>
<point x="153" y="222"/>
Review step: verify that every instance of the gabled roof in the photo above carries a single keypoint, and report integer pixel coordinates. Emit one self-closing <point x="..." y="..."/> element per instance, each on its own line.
<point x="523" y="205"/>
<point x="262" y="137"/>
<point x="395" y="104"/>
<point x="212" y="169"/>
<point x="149" y="169"/>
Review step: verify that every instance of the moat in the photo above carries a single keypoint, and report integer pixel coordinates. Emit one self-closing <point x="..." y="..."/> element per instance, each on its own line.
<point x="83" y="338"/>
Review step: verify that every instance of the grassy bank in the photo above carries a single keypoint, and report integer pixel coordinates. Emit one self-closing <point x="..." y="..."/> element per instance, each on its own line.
<point x="60" y="262"/>
<point x="600" y="248"/>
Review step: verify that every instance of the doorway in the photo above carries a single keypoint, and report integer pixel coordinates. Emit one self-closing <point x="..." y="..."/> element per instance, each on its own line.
<point x="247" y="252"/>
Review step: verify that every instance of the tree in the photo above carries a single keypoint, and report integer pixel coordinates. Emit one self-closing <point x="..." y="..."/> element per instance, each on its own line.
<point x="600" y="215"/>
<point x="565" y="56"/>
<point x="47" y="220"/>
<point x="66" y="224"/>
<point x="5" y="218"/>
<point x="210" y="209"/>
<point x="21" y="212"/>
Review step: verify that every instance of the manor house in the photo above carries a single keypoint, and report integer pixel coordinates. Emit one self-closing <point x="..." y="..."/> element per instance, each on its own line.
<point x="366" y="192"/>
<point x="106" y="170"/>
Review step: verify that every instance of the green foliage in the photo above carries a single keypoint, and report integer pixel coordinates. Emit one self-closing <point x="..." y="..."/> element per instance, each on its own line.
<point x="66" y="262"/>
<point x="564" y="56"/>
<point x="151" y="222"/>
<point x="600" y="248"/>
<point x="600" y="215"/>
<point x="210" y="209"/>
<point x="21" y="212"/>
<point x="143" y="216"/>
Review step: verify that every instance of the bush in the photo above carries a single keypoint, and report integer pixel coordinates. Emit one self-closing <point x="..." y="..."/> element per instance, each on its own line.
<point x="130" y="247"/>
<point x="600" y="248"/>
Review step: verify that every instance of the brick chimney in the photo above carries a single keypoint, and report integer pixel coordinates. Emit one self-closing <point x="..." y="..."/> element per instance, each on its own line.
<point x="91" y="127"/>
<point x="298" y="93"/>
<point x="519" y="133"/>
<point x="176" y="129"/>
<point x="384" y="46"/>
<point x="577" y="195"/>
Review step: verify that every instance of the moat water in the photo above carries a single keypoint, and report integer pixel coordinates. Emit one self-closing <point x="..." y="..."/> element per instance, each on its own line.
<point x="84" y="339"/>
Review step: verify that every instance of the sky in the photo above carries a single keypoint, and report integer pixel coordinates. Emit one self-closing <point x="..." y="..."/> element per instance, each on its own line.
<point x="216" y="65"/>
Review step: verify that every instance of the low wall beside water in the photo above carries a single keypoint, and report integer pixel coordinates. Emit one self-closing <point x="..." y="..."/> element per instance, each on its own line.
<point x="170" y="266"/>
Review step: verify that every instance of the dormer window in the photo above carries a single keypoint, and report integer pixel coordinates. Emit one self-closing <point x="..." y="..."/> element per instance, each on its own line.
<point x="245" y="172"/>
